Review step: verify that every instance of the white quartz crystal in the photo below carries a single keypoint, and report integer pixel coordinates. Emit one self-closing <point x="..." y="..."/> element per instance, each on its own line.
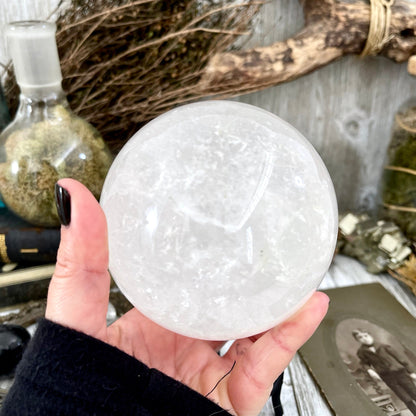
<point x="222" y="220"/>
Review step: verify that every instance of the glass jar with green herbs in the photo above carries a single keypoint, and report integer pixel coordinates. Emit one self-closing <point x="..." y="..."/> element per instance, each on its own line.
<point x="46" y="141"/>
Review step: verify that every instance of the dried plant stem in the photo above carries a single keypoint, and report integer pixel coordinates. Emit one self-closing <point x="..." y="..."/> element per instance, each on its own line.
<point x="124" y="61"/>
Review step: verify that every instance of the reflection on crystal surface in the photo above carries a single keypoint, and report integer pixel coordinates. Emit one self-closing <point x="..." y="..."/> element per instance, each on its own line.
<point x="222" y="220"/>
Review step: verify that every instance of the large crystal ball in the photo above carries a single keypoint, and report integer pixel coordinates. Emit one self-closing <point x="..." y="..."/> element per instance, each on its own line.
<point x="222" y="220"/>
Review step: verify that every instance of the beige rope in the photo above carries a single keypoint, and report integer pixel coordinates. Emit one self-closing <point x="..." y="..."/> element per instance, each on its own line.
<point x="401" y="169"/>
<point x="399" y="208"/>
<point x="378" y="33"/>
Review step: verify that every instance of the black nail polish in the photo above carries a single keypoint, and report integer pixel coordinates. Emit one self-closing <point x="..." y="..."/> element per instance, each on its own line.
<point x="63" y="204"/>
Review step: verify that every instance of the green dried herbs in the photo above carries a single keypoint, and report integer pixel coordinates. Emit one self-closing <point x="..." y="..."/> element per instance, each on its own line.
<point x="62" y="145"/>
<point x="399" y="179"/>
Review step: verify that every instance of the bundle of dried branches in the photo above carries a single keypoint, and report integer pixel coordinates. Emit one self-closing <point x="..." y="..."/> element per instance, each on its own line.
<point x="126" y="61"/>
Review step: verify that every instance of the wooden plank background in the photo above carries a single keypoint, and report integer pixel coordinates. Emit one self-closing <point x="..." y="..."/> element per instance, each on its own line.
<point x="345" y="109"/>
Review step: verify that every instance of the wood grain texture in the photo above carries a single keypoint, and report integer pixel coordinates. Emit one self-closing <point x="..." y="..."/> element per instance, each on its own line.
<point x="309" y="400"/>
<point x="345" y="109"/>
<point x="332" y="29"/>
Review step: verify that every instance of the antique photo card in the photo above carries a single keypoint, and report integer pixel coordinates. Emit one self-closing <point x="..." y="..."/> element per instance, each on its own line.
<point x="363" y="355"/>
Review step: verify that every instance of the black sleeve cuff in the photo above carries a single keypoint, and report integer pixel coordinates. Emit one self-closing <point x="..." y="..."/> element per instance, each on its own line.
<point x="65" y="372"/>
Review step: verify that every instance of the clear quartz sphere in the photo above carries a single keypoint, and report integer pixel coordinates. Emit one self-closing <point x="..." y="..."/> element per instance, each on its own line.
<point x="222" y="220"/>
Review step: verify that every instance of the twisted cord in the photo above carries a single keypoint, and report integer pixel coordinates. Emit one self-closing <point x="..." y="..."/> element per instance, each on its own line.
<point x="379" y="31"/>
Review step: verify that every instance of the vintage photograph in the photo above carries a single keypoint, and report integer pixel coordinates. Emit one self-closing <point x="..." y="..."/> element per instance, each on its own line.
<point x="363" y="354"/>
<point x="380" y="364"/>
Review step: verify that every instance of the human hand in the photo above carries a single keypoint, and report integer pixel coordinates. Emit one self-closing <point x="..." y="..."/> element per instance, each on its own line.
<point x="78" y="298"/>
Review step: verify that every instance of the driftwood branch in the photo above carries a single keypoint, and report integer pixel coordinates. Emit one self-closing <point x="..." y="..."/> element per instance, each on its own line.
<point x="332" y="29"/>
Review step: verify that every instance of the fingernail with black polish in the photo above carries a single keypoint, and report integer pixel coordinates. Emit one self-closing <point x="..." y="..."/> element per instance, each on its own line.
<point x="63" y="204"/>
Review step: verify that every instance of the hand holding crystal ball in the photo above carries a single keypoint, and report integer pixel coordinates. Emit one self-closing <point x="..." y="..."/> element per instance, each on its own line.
<point x="222" y="220"/>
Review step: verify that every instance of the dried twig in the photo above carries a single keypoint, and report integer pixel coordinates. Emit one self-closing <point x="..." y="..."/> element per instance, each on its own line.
<point x="125" y="62"/>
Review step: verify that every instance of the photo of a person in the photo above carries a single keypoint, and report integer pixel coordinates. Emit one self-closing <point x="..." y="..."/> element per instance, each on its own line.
<point x="382" y="362"/>
<point x="363" y="355"/>
<point x="383" y="368"/>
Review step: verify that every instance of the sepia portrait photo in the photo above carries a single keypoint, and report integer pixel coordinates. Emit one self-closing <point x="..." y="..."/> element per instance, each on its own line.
<point x="363" y="355"/>
<point x="383" y="368"/>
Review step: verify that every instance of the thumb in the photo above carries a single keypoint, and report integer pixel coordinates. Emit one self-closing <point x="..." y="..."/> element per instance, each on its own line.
<point x="79" y="289"/>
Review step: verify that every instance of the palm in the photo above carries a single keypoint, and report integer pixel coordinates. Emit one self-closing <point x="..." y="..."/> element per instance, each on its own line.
<point x="193" y="362"/>
<point x="78" y="299"/>
<point x="258" y="361"/>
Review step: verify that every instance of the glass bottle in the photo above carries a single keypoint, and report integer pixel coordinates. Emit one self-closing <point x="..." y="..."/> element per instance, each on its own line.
<point x="399" y="177"/>
<point x="4" y="121"/>
<point x="4" y="111"/>
<point x="46" y="141"/>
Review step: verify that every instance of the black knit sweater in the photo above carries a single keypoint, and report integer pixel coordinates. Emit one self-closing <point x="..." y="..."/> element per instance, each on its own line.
<point x="65" y="372"/>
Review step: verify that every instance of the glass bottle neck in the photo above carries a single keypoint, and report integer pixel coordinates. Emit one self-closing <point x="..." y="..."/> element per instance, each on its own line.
<point x="42" y="94"/>
<point x="38" y="106"/>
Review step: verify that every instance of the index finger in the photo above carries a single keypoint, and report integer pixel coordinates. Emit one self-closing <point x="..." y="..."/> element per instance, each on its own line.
<point x="261" y="364"/>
